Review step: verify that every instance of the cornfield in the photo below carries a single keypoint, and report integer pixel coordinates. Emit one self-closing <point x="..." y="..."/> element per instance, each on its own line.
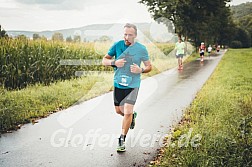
<point x="24" y="62"/>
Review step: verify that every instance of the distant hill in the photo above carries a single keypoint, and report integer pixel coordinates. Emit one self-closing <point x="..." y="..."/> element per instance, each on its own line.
<point x="146" y="32"/>
<point x="89" y="32"/>
<point x="242" y="15"/>
<point x="242" y="10"/>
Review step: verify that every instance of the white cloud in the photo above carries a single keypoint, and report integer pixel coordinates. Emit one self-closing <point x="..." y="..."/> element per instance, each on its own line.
<point x="237" y="2"/>
<point x="64" y="4"/>
<point x="40" y="15"/>
<point x="37" y="15"/>
<point x="53" y="4"/>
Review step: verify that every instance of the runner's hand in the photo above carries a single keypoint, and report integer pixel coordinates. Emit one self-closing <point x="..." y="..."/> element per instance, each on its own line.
<point x="120" y="62"/>
<point x="135" y="69"/>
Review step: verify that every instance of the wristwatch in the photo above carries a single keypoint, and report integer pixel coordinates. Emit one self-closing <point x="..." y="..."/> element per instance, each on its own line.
<point x="142" y="70"/>
<point x="113" y="63"/>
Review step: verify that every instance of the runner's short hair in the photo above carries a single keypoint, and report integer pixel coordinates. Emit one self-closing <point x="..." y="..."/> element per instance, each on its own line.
<point x="129" y="25"/>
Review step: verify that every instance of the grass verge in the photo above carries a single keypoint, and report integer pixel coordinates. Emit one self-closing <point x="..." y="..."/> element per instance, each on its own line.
<point x="31" y="103"/>
<point x="216" y="129"/>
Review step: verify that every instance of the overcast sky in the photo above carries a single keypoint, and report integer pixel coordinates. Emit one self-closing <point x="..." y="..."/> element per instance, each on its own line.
<point x="40" y="15"/>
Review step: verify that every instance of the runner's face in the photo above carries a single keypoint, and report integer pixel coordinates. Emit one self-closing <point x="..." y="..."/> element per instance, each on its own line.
<point x="129" y="35"/>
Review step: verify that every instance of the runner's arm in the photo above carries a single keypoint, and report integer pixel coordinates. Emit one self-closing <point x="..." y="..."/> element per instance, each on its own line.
<point x="108" y="61"/>
<point x="147" y="66"/>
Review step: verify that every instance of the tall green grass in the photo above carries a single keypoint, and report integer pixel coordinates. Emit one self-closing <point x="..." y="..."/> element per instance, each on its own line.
<point x="24" y="62"/>
<point x="38" y="101"/>
<point x="222" y="115"/>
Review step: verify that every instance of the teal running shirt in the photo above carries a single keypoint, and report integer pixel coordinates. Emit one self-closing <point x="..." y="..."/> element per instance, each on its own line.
<point x="136" y="53"/>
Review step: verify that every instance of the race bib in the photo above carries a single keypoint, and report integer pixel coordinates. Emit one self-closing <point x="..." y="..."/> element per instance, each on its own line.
<point x="124" y="80"/>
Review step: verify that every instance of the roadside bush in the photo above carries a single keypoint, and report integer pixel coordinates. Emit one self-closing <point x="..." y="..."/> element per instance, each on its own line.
<point x="236" y="44"/>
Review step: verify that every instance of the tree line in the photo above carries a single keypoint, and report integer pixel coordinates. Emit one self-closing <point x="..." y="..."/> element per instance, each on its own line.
<point x="57" y="36"/>
<point x="3" y="32"/>
<point x="199" y="20"/>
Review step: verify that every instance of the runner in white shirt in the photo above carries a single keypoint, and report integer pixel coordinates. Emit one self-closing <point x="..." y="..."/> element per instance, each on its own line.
<point x="209" y="50"/>
<point x="180" y="52"/>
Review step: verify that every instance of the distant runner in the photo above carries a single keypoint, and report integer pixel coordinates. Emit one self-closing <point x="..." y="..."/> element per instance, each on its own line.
<point x="202" y="50"/>
<point x="180" y="52"/>
<point x="218" y="48"/>
<point x="209" y="50"/>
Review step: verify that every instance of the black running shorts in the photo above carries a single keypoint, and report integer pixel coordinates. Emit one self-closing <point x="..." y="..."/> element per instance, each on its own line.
<point x="122" y="96"/>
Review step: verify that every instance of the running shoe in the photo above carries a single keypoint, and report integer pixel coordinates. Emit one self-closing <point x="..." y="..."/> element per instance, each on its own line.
<point x="121" y="145"/>
<point x="133" y="123"/>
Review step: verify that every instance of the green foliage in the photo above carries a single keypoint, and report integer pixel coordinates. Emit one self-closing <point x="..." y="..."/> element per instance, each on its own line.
<point x="24" y="62"/>
<point x="221" y="114"/>
<point x="236" y="44"/>
<point x="77" y="38"/>
<point x="196" y="19"/>
<point x="35" y="36"/>
<point x="104" y="38"/>
<point x="2" y="32"/>
<point x="208" y="21"/>
<point x="243" y="36"/>
<point x="69" y="39"/>
<point x="242" y="15"/>
<point x="57" y="36"/>
<point x="242" y="10"/>
<point x="33" y="102"/>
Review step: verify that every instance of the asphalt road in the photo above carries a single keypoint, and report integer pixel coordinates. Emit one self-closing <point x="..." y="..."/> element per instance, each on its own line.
<point x="86" y="134"/>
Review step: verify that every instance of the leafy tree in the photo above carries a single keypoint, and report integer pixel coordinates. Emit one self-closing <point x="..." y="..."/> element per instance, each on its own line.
<point x="104" y="38"/>
<point x="77" y="38"/>
<point x="69" y="39"/>
<point x="242" y="16"/>
<point x="226" y="35"/>
<point x="244" y="37"/>
<point x="236" y="44"/>
<point x="22" y="37"/>
<point x="239" y="11"/>
<point x="199" y="20"/>
<point x="2" y="32"/>
<point x="57" y="36"/>
<point x="43" y="38"/>
<point x="246" y="24"/>
<point x="35" y="36"/>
